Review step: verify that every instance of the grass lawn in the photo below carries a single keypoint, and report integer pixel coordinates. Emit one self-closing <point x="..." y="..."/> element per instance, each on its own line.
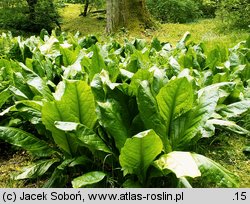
<point x="206" y="30"/>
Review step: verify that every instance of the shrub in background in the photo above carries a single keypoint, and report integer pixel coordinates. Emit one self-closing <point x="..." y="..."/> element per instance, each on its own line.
<point x="208" y="8"/>
<point x="15" y="14"/>
<point x="174" y="11"/>
<point x="234" y="13"/>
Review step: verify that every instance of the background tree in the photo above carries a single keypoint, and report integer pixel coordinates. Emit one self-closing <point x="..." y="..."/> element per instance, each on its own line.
<point x="127" y="13"/>
<point x="32" y="4"/>
<point x="28" y="15"/>
<point x="234" y="14"/>
<point x="86" y="6"/>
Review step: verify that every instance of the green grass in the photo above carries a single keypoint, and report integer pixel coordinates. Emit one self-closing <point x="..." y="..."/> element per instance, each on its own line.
<point x="72" y="22"/>
<point x="11" y="162"/>
<point x="227" y="150"/>
<point x="206" y="30"/>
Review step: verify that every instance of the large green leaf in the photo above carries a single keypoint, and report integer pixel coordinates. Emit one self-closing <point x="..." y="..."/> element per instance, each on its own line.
<point x="88" y="179"/>
<point x="26" y="141"/>
<point x="138" y="77"/>
<point x="69" y="56"/>
<point x="174" y="99"/>
<point x="37" y="169"/>
<point x="149" y="112"/>
<point x="113" y="108"/>
<point x="59" y="177"/>
<point x="20" y="83"/>
<point x="214" y="173"/>
<point x="87" y="136"/>
<point x="112" y="119"/>
<point x="180" y="163"/>
<point x="51" y="113"/>
<point x="50" y="48"/>
<point x="4" y="96"/>
<point x="235" y="109"/>
<point x="76" y="105"/>
<point x="139" y="152"/>
<point x="97" y="64"/>
<point x="39" y="87"/>
<point x="188" y="125"/>
<point x="19" y="95"/>
<point x="230" y="125"/>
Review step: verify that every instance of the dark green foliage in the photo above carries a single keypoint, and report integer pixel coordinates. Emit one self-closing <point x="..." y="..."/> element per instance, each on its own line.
<point x="208" y="7"/>
<point x="235" y="13"/>
<point x="31" y="16"/>
<point x="174" y="11"/>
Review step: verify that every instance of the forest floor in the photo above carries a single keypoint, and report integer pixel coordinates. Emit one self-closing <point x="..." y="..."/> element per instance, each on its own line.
<point x="208" y="31"/>
<point x="225" y="149"/>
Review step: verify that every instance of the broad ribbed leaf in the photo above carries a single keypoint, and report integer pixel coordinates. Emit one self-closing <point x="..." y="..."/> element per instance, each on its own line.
<point x="59" y="177"/>
<point x="37" y="169"/>
<point x="76" y="105"/>
<point x="88" y="179"/>
<point x="51" y="113"/>
<point x="97" y="62"/>
<point x="21" y="83"/>
<point x="213" y="172"/>
<point x="180" y="163"/>
<point x="229" y="125"/>
<point x="87" y="136"/>
<point x="174" y="99"/>
<point x="39" y="87"/>
<point x="159" y="79"/>
<point x="235" y="109"/>
<point x="112" y="119"/>
<point x="4" y="96"/>
<point x="139" y="76"/>
<point x="149" y="112"/>
<point x="69" y="56"/>
<point x="26" y="141"/>
<point x="139" y="152"/>
<point x="187" y="126"/>
<point x="17" y="93"/>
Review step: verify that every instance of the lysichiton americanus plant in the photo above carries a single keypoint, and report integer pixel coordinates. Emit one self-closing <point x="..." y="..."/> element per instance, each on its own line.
<point x="120" y="115"/>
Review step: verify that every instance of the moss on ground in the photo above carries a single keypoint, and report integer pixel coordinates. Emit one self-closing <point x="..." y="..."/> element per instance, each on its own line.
<point x="73" y="22"/>
<point x="12" y="162"/>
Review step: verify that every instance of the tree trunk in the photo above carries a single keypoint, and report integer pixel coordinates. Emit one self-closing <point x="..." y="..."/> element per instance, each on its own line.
<point x="127" y="13"/>
<point x="86" y="6"/>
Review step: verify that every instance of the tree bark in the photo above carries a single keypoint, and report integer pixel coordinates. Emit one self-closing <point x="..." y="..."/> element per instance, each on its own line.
<point x="127" y="13"/>
<point x="86" y="6"/>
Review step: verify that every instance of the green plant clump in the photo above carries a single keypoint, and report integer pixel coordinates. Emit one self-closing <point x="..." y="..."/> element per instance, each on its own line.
<point x="234" y="14"/>
<point x="120" y="115"/>
<point x="174" y="11"/>
<point x="33" y="17"/>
